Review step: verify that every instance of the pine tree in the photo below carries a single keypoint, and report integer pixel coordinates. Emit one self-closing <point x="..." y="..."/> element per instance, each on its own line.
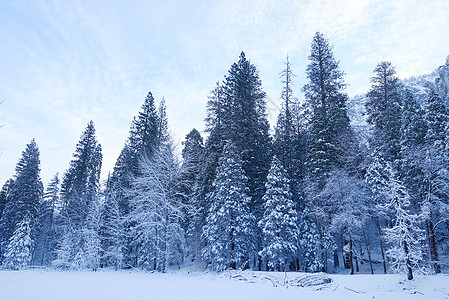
<point x="289" y="139"/>
<point x="279" y="222"/>
<point x="229" y="228"/>
<point x="245" y="123"/>
<point x="309" y="243"/>
<point x="434" y="183"/>
<point x="330" y="138"/>
<point x="384" y="110"/>
<point x="237" y="113"/>
<point x="45" y="248"/>
<point x="192" y="155"/>
<point x="19" y="252"/>
<point x="80" y="182"/>
<point x="79" y="193"/>
<point x="5" y="193"/>
<point x="148" y="132"/>
<point x="26" y="193"/>
<point x="329" y="126"/>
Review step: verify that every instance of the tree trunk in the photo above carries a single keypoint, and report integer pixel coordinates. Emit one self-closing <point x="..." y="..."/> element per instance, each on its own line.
<point x="351" y="264"/>
<point x="376" y="221"/>
<point x="432" y="246"/>
<point x="336" y="260"/>
<point x="369" y="253"/>
<point x="409" y="265"/>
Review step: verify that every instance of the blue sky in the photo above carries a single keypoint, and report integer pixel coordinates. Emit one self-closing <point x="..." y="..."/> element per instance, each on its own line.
<point x="63" y="63"/>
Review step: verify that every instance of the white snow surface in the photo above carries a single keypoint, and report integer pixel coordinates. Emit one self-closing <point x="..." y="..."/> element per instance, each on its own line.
<point x="67" y="285"/>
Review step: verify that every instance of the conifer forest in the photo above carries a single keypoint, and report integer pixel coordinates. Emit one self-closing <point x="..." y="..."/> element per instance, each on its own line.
<point x="338" y="184"/>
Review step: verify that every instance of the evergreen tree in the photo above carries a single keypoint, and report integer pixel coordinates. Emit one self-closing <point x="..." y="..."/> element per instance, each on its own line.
<point x="245" y="124"/>
<point x="20" y="248"/>
<point x="45" y="248"/>
<point x="309" y="243"/>
<point x="237" y="113"/>
<point x="434" y="182"/>
<point x="25" y="195"/>
<point x="329" y="128"/>
<point x="80" y="182"/>
<point x="5" y="193"/>
<point x="279" y="222"/>
<point x="330" y="138"/>
<point x="192" y="155"/>
<point x="289" y="145"/>
<point x="229" y="228"/>
<point x="384" y="110"/>
<point x="148" y="132"/>
<point x="79" y="193"/>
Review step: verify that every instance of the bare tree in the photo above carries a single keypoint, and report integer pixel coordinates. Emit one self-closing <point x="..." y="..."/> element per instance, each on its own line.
<point x="157" y="211"/>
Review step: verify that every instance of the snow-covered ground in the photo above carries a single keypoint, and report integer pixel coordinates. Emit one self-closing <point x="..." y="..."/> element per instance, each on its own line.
<point x="51" y="284"/>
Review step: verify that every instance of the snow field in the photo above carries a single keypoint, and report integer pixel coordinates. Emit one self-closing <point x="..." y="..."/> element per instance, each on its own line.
<point x="52" y="284"/>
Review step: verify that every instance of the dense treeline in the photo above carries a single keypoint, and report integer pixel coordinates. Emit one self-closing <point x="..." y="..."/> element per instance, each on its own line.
<point x="318" y="195"/>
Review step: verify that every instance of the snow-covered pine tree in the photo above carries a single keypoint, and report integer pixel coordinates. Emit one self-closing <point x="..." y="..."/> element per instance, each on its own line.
<point x="229" y="228"/>
<point x="325" y="96"/>
<point x="245" y="124"/>
<point x="25" y="195"/>
<point x="148" y="130"/>
<point x="5" y="194"/>
<point x="79" y="190"/>
<point x="44" y="252"/>
<point x="309" y="244"/>
<point x="289" y="139"/>
<point x="279" y="221"/>
<point x="81" y="181"/>
<point x="384" y="110"/>
<point x="112" y="230"/>
<point x="434" y="185"/>
<point x="19" y="251"/>
<point x="190" y="170"/>
<point x="330" y="138"/>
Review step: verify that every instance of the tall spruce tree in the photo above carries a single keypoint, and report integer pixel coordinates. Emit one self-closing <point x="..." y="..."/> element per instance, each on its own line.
<point x="45" y="249"/>
<point x="148" y="130"/>
<point x="23" y="201"/>
<point x="229" y="228"/>
<point x="237" y="113"/>
<point x="80" y="182"/>
<point x="190" y="170"/>
<point x="279" y="221"/>
<point x="5" y="193"/>
<point x="79" y="191"/>
<point x="329" y="123"/>
<point x="384" y="110"/>
<point x="289" y="139"/>
<point x="245" y="124"/>
<point x="330" y="136"/>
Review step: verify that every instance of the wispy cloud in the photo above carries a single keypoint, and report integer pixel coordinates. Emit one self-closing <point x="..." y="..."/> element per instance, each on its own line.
<point x="65" y="63"/>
